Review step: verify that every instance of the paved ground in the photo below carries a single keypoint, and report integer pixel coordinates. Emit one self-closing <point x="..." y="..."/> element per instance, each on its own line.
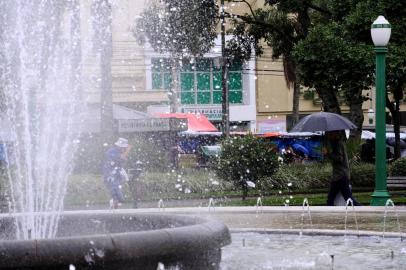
<point x="292" y="217"/>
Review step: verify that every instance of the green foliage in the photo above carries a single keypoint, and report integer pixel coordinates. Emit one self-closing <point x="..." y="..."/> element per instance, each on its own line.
<point x="179" y="27"/>
<point x="398" y="167"/>
<point x="302" y="176"/>
<point x="308" y="94"/>
<point x="3" y="188"/>
<point x="316" y="176"/>
<point x="354" y="150"/>
<point x="151" y="151"/>
<point x="90" y="153"/>
<point x="363" y="175"/>
<point x="152" y="186"/>
<point x="244" y="159"/>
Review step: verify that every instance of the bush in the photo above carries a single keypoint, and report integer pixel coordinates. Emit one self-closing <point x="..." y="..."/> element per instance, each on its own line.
<point x="301" y="176"/>
<point x="398" y="167"/>
<point x="244" y="159"/>
<point x="317" y="175"/>
<point x="91" y="151"/>
<point x="151" y="151"/>
<point x="363" y="175"/>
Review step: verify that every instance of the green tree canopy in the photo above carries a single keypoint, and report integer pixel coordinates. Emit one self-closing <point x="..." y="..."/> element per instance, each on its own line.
<point x="179" y="27"/>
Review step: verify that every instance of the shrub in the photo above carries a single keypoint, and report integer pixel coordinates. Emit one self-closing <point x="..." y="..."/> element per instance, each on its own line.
<point x="398" y="167"/>
<point x="244" y="159"/>
<point x="317" y="175"/>
<point x="301" y="176"/>
<point x="151" y="151"/>
<point x="91" y="151"/>
<point x="363" y="175"/>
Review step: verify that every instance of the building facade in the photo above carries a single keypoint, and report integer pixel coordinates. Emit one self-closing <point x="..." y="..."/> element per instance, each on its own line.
<point x="260" y="100"/>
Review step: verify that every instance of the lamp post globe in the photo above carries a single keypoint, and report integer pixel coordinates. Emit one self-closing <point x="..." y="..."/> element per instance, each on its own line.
<point x="380" y="32"/>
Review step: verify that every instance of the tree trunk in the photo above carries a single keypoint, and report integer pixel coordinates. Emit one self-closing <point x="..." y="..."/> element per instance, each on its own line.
<point x="107" y="121"/>
<point x="356" y="116"/>
<point x="396" y="129"/>
<point x="174" y="91"/>
<point x="393" y="111"/>
<point x="295" y="108"/>
<point x="339" y="153"/>
<point x="329" y="99"/>
<point x="244" y="191"/>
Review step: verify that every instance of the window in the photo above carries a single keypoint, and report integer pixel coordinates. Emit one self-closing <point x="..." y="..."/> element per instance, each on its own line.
<point x="161" y="74"/>
<point x="200" y="82"/>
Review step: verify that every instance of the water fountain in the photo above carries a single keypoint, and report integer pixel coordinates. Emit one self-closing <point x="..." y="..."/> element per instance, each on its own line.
<point x="40" y="69"/>
<point x="41" y="76"/>
<point x="350" y="202"/>
<point x="388" y="203"/>
<point x="306" y="206"/>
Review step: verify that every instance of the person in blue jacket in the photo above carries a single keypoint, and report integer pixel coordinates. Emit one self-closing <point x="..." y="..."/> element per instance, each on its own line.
<point x="114" y="174"/>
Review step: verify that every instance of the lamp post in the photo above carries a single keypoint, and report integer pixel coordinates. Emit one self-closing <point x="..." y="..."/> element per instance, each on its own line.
<point x="224" y="76"/>
<point x="380" y="32"/>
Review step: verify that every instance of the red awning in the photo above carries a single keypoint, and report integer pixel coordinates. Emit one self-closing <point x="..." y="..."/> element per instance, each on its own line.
<point x="196" y="122"/>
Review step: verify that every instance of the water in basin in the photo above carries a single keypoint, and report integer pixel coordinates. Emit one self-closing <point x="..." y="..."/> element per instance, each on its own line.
<point x="293" y="252"/>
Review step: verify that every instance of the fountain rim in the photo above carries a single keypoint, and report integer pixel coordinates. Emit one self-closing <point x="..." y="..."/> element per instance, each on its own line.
<point x="195" y="235"/>
<point x="319" y="232"/>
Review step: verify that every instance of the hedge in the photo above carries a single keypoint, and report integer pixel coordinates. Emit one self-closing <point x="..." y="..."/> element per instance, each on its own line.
<point x="317" y="175"/>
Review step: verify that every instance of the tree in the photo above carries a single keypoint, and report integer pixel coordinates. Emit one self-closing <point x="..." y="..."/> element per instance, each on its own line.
<point x="103" y="45"/>
<point x="280" y="31"/>
<point x="180" y="28"/>
<point x="336" y="58"/>
<point x="245" y="159"/>
<point x="358" y="23"/>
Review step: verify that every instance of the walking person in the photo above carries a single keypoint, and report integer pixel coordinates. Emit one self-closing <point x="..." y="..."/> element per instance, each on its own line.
<point x="340" y="179"/>
<point x="114" y="174"/>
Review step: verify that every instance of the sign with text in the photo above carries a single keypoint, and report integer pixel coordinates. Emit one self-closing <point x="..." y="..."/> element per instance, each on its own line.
<point x="212" y="113"/>
<point x="152" y="125"/>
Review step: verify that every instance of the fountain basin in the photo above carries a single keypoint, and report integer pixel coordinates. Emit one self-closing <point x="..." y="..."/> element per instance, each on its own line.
<point x="119" y="241"/>
<point x="313" y="250"/>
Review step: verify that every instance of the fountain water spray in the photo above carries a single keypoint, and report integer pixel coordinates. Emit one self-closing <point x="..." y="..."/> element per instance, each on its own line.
<point x="258" y="206"/>
<point x="306" y="205"/>
<point x="161" y="205"/>
<point x="388" y="203"/>
<point x="211" y="205"/>
<point x="40" y="71"/>
<point x="350" y="202"/>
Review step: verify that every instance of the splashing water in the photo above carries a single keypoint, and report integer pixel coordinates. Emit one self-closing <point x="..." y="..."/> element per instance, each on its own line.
<point x="161" y="205"/>
<point x="388" y="203"/>
<point x="40" y="69"/>
<point x="305" y="206"/>
<point x="258" y="207"/>
<point x="348" y="203"/>
<point x="211" y="205"/>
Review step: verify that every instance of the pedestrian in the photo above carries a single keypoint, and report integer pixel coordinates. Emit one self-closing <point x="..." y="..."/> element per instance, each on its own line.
<point x="340" y="179"/>
<point x="114" y="174"/>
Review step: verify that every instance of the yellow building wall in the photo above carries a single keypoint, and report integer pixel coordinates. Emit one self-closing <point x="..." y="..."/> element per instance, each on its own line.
<point x="128" y="66"/>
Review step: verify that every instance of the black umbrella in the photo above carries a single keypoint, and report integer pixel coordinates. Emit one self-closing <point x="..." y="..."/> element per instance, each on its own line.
<point x="323" y="121"/>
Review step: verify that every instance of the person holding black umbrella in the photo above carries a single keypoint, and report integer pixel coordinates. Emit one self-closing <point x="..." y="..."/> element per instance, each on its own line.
<point x="333" y="125"/>
<point x="340" y="179"/>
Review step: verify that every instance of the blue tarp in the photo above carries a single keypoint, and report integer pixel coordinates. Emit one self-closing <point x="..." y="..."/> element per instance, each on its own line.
<point x="311" y="145"/>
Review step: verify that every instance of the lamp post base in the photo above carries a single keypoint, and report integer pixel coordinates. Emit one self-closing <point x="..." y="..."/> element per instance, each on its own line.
<point x="379" y="197"/>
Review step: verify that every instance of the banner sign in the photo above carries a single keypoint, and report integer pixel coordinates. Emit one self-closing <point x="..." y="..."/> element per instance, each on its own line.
<point x="212" y="113"/>
<point x="152" y="125"/>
